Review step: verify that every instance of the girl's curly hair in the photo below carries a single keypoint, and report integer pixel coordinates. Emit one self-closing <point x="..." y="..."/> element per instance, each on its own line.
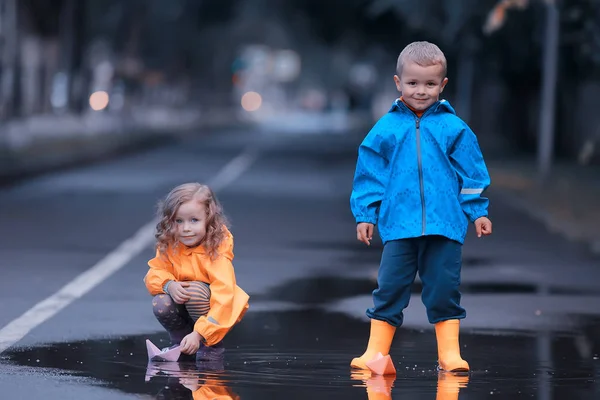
<point x="215" y="222"/>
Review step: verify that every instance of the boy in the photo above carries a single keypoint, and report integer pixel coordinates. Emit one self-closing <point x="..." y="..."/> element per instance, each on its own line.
<point x="419" y="175"/>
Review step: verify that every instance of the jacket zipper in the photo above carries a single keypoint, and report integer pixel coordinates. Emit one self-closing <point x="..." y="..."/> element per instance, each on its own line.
<point x="420" y="162"/>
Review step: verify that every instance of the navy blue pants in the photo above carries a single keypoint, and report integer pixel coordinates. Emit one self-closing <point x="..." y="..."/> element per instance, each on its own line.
<point x="438" y="261"/>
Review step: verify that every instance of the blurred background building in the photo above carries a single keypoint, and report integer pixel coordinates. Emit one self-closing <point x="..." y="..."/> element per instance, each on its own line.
<point x="275" y="61"/>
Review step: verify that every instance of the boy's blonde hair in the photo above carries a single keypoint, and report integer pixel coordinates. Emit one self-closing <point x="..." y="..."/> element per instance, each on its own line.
<point x="215" y="221"/>
<point x="423" y="54"/>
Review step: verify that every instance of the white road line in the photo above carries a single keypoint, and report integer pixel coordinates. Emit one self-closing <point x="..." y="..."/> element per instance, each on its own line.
<point x="234" y="169"/>
<point x="111" y="263"/>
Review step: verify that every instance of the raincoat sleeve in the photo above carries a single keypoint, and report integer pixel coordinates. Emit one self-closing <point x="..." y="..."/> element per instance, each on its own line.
<point x="472" y="173"/>
<point x="228" y="303"/>
<point x="161" y="271"/>
<point x="371" y="174"/>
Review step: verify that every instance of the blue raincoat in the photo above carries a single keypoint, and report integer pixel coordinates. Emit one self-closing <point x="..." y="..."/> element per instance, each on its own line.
<point x="420" y="176"/>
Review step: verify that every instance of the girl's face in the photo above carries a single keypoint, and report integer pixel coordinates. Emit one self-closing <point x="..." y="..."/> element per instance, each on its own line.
<point x="190" y="223"/>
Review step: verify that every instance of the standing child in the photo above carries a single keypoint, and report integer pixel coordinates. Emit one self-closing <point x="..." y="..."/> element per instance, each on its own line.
<point x="196" y="298"/>
<point x="419" y="176"/>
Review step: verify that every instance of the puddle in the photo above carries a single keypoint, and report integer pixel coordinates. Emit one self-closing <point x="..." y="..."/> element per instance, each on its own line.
<point x="305" y="354"/>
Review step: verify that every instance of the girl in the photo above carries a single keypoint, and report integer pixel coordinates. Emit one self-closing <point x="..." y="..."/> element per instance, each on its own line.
<point x="196" y="298"/>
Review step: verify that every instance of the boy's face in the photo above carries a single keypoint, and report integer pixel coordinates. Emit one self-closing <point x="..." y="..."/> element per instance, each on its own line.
<point x="421" y="86"/>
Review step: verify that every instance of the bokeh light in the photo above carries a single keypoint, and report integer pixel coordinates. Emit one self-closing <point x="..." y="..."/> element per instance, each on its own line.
<point x="251" y="101"/>
<point x="99" y="100"/>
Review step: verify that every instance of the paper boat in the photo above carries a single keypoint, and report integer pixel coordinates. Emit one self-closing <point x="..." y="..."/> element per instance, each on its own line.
<point x="162" y="369"/>
<point x="382" y="365"/>
<point x="167" y="354"/>
<point x="380" y="387"/>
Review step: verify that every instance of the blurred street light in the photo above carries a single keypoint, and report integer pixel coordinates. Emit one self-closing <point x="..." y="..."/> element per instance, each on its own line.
<point x="548" y="95"/>
<point x="99" y="100"/>
<point x="251" y="101"/>
<point x="286" y="65"/>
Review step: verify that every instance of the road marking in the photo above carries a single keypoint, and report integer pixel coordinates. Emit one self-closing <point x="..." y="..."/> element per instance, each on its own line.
<point x="111" y="263"/>
<point x="234" y="169"/>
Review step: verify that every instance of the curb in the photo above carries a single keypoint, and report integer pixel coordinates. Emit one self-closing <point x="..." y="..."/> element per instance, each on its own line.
<point x="515" y="189"/>
<point x="546" y="218"/>
<point x="45" y="155"/>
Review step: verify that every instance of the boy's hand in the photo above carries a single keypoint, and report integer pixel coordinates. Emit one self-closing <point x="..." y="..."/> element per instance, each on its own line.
<point x="190" y="343"/>
<point x="483" y="226"/>
<point x="364" y="232"/>
<point x="178" y="293"/>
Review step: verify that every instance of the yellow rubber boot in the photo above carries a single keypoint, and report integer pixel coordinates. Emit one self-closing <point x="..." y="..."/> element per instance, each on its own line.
<point x="449" y="357"/>
<point x="380" y="341"/>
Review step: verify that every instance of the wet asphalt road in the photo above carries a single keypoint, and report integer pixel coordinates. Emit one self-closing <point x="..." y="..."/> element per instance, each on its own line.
<point x="532" y="331"/>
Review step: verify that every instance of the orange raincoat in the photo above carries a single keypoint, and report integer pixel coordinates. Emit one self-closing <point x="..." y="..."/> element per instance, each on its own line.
<point x="228" y="302"/>
<point x="214" y="390"/>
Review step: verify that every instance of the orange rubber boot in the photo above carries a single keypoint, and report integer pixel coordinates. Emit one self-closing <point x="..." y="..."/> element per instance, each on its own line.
<point x="449" y="385"/>
<point x="380" y="341"/>
<point x="449" y="357"/>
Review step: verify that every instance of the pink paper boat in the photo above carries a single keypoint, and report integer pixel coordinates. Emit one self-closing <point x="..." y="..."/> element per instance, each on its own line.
<point x="381" y="384"/>
<point x="156" y="354"/>
<point x="382" y="365"/>
<point x="162" y="369"/>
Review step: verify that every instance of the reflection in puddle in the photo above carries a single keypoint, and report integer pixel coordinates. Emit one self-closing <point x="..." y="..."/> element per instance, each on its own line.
<point x="449" y="385"/>
<point x="201" y="384"/>
<point x="381" y="387"/>
<point x="306" y="355"/>
<point x="182" y="370"/>
<point x="186" y="380"/>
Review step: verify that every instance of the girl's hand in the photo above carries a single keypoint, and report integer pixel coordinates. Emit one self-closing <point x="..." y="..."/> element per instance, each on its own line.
<point x="191" y="343"/>
<point x="190" y="382"/>
<point x="178" y="293"/>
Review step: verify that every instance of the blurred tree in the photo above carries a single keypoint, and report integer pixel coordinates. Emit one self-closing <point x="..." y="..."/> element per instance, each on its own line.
<point x="10" y="89"/>
<point x="578" y="22"/>
<point x="580" y="30"/>
<point x="505" y="38"/>
<point x="42" y="37"/>
<point x="178" y="40"/>
<point x="42" y="17"/>
<point x="444" y="21"/>
<point x="453" y="25"/>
